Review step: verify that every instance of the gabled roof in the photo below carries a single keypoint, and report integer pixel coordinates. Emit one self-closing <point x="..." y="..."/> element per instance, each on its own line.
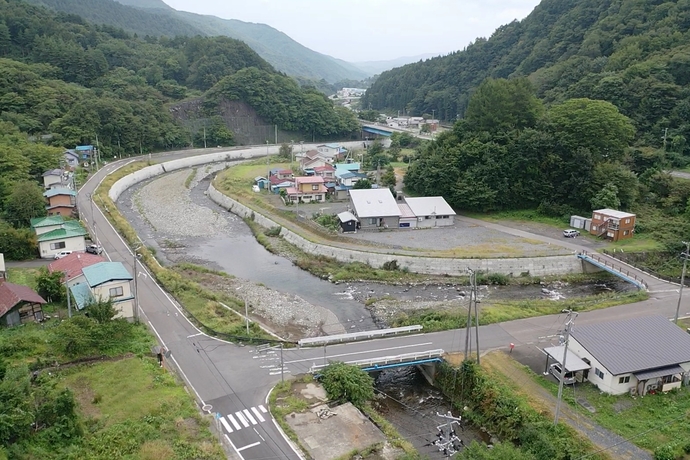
<point x="53" y="172"/>
<point x="49" y="221"/>
<point x="106" y="271"/>
<point x="82" y="295"/>
<point x="12" y="294"/>
<point x="347" y="216"/>
<point x="73" y="264"/>
<point x="429" y="206"/>
<point x="636" y="344"/>
<point x="72" y="153"/>
<point x="330" y="146"/>
<point x="61" y="234"/>
<point x="309" y="180"/>
<point x="347" y="166"/>
<point x="83" y="148"/>
<point x="614" y="213"/>
<point x="59" y="191"/>
<point x="374" y="203"/>
<point x="326" y="167"/>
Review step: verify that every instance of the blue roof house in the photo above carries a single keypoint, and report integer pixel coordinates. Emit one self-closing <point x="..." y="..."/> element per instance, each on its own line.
<point x="111" y="280"/>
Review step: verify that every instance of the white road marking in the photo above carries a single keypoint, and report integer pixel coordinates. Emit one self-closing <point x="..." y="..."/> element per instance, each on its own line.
<point x="259" y="434"/>
<point x="263" y="409"/>
<point x="248" y="446"/>
<point x="249" y="416"/>
<point x="233" y="446"/>
<point x="234" y="422"/>
<point x="360" y="352"/>
<point x="258" y="414"/>
<point x="241" y="418"/>
<point x="225" y="424"/>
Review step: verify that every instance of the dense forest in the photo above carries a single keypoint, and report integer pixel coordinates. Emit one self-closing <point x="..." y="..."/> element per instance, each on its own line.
<point x="155" y="18"/>
<point x="632" y="53"/>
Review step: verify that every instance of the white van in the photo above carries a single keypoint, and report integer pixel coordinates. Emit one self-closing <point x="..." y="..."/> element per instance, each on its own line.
<point x="62" y="254"/>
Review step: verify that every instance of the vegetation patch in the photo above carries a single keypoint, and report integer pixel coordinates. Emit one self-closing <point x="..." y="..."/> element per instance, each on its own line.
<point x="190" y="178"/>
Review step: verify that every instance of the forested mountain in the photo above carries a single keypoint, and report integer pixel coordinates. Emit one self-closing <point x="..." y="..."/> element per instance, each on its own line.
<point x="153" y="17"/>
<point x="376" y="67"/>
<point x="632" y="53"/>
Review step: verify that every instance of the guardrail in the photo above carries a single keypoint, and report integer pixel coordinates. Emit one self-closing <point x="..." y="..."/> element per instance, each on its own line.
<point x="356" y="336"/>
<point x="388" y="360"/>
<point x="612" y="268"/>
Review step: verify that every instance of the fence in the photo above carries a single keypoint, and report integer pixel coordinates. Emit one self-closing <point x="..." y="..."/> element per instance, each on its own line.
<point x="632" y="276"/>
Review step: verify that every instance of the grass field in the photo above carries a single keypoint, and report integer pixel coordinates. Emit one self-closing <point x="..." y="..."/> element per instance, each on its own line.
<point x="23" y="276"/>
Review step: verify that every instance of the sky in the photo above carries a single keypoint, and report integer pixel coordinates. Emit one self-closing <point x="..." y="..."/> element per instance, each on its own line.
<point x="372" y="30"/>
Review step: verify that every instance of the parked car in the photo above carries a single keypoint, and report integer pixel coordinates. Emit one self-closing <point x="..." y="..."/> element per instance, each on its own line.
<point x="94" y="249"/>
<point x="569" y="377"/>
<point x="571" y="233"/>
<point x="62" y="254"/>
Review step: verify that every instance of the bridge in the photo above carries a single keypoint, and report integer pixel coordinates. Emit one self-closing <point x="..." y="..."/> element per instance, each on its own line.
<point x="379" y="130"/>
<point x="608" y="265"/>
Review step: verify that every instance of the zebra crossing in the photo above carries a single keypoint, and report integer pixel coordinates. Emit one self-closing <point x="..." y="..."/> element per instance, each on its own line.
<point x="243" y="418"/>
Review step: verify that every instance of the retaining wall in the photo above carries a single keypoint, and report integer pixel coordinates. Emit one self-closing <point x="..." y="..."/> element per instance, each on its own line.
<point x="536" y="266"/>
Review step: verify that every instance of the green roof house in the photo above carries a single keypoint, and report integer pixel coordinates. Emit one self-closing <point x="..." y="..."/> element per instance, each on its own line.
<point x="42" y="225"/>
<point x="69" y="236"/>
<point x="111" y="280"/>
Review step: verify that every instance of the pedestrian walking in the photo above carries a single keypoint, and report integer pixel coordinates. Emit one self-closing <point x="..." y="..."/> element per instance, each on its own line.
<point x="161" y="355"/>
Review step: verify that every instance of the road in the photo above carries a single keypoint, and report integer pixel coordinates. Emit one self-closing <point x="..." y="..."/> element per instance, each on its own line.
<point x="234" y="381"/>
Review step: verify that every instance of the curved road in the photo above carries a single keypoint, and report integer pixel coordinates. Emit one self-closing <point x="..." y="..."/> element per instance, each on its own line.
<point x="235" y="380"/>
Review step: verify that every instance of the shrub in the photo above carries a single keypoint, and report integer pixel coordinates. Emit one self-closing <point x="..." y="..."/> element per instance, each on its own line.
<point x="50" y="285"/>
<point x="273" y="231"/>
<point x="498" y="279"/>
<point x="344" y="382"/>
<point x="391" y="265"/>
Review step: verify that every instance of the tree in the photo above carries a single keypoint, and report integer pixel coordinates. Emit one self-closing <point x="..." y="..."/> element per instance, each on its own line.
<point x="362" y="184"/>
<point x="24" y="203"/>
<point x="17" y="243"/>
<point x="594" y="125"/>
<point x="285" y="151"/>
<point x="344" y="382"/>
<point x="607" y="198"/>
<point x="102" y="311"/>
<point x="503" y="105"/>
<point x="388" y="178"/>
<point x="50" y="285"/>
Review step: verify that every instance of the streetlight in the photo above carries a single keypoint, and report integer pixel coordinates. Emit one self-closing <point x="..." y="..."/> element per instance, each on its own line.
<point x="292" y="152"/>
<point x="136" y="256"/>
<point x="682" y="278"/>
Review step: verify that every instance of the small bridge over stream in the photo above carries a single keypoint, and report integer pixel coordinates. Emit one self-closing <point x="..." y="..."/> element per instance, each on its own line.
<point x="625" y="273"/>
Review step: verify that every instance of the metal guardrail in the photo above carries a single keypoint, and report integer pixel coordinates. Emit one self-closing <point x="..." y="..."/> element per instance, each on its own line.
<point x="356" y="336"/>
<point x="386" y="360"/>
<point x="624" y="273"/>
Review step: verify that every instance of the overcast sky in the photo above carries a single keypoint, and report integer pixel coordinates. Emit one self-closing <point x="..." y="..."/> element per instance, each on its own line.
<point x="364" y="30"/>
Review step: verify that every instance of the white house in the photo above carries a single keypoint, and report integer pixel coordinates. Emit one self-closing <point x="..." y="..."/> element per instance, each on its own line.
<point x="70" y="237"/>
<point x="54" y="177"/>
<point x="72" y="266"/>
<point x="106" y="280"/>
<point x="375" y="208"/>
<point x="431" y="211"/>
<point x="634" y="356"/>
<point x="331" y="151"/>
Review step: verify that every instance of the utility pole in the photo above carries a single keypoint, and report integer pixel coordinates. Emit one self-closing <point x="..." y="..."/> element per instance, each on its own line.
<point x="204" y="136"/>
<point x="135" y="255"/>
<point x="447" y="440"/>
<point x="569" y="320"/>
<point x="69" y="299"/>
<point x="276" y="132"/>
<point x="685" y="255"/>
<point x="476" y="312"/>
<point x="268" y="172"/>
<point x="95" y="154"/>
<point x="246" y="315"/>
<point x="665" y="136"/>
<point x="93" y="219"/>
<point x="468" y="327"/>
<point x="292" y="152"/>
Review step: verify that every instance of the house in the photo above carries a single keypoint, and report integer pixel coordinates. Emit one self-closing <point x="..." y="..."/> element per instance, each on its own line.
<point x="54" y="177"/>
<point x="278" y="184"/>
<point x="85" y="152"/>
<point x="613" y="225"/>
<point x="72" y="266"/>
<point x="61" y="201"/>
<point x="341" y="192"/>
<point x="375" y="208"/>
<point x="106" y="280"/>
<point x="326" y="171"/>
<point x="261" y="182"/>
<point x="41" y="225"/>
<point x="19" y="304"/>
<point x="351" y="167"/>
<point x="69" y="237"/>
<point x="635" y="356"/>
<point x="71" y="158"/>
<point x="283" y="174"/>
<point x="431" y="211"/>
<point x="313" y="159"/>
<point x="331" y="151"/>
<point x="307" y="189"/>
<point x="348" y="222"/>
<point x="349" y="178"/>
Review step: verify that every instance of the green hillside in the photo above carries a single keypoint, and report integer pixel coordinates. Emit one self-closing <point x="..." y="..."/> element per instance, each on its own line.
<point x="153" y="17"/>
<point x="632" y="53"/>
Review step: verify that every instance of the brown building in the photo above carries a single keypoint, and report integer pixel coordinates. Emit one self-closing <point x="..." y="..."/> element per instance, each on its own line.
<point x="19" y="305"/>
<point x="612" y="225"/>
<point x="61" y="201"/>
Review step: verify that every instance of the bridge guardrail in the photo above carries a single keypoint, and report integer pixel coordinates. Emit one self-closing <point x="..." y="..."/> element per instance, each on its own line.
<point x="607" y="263"/>
<point x="385" y="360"/>
<point x="356" y="336"/>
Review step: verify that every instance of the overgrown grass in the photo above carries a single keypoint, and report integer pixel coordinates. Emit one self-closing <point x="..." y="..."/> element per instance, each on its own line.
<point x="508" y="310"/>
<point x="203" y="304"/>
<point x="649" y="422"/>
<point x="527" y="215"/>
<point x="23" y="276"/>
<point x="190" y="178"/>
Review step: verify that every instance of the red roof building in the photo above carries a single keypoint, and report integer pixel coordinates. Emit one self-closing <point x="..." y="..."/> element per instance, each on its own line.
<point x="19" y="304"/>
<point x="73" y="264"/>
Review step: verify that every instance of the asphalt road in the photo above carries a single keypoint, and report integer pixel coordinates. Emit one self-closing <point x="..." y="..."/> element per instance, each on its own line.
<point x="234" y="380"/>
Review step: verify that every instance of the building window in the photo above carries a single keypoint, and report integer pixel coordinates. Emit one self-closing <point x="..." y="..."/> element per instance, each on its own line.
<point x="594" y="228"/>
<point x="116" y="292"/>
<point x="60" y="245"/>
<point x="624" y="379"/>
<point x="314" y="187"/>
<point x="627" y="221"/>
<point x="598" y="373"/>
<point x="625" y="232"/>
<point x="597" y="217"/>
<point x="372" y="221"/>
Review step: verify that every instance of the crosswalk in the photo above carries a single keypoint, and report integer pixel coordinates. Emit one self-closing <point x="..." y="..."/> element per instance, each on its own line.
<point x="242" y="418"/>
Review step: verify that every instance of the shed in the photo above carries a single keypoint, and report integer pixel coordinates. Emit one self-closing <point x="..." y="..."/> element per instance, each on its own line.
<point x="348" y="222"/>
<point x="19" y="304"/>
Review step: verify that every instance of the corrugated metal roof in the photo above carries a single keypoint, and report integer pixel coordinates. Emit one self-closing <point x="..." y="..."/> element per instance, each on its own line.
<point x="11" y="294"/>
<point x="309" y="179"/>
<point x="572" y="364"/>
<point x="53" y="172"/>
<point x="406" y="211"/>
<point x="59" y="191"/>
<point x="635" y="344"/>
<point x="82" y="295"/>
<point x="49" y="221"/>
<point x="430" y="206"/>
<point x="103" y="272"/>
<point x="73" y="264"/>
<point x="661" y="372"/>
<point x="347" y="216"/>
<point x="348" y="166"/>
<point x="374" y="203"/>
<point x="61" y="233"/>
<point x="614" y="213"/>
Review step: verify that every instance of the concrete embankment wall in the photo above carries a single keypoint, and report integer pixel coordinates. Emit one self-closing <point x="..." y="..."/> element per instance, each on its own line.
<point x="536" y="266"/>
